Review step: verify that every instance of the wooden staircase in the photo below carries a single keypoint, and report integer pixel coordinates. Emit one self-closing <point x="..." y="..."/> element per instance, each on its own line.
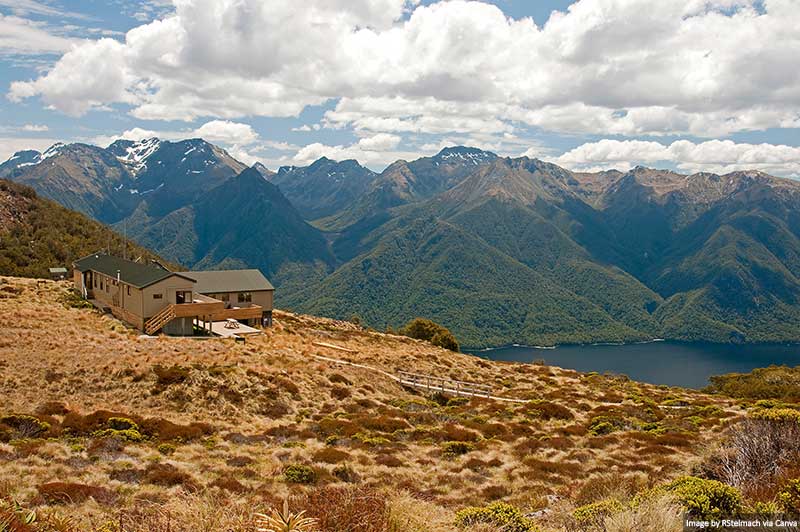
<point x="154" y="324"/>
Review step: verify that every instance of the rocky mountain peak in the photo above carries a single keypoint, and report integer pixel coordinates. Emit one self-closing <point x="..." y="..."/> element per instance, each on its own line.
<point x="134" y="154"/>
<point x="459" y="154"/>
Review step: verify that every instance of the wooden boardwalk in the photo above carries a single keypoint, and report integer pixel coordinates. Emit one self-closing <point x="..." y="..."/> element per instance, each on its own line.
<point x="444" y="385"/>
<point x="429" y="382"/>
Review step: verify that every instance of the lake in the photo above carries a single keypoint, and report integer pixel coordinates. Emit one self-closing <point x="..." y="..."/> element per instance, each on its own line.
<point x="672" y="363"/>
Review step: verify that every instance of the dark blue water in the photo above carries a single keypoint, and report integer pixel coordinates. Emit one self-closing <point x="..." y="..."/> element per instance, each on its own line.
<point x="672" y="363"/>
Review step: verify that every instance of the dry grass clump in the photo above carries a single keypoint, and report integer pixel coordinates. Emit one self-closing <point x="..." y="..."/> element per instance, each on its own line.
<point x="74" y="493"/>
<point x="659" y="514"/>
<point x="329" y="455"/>
<point x="347" y="509"/>
<point x="165" y="474"/>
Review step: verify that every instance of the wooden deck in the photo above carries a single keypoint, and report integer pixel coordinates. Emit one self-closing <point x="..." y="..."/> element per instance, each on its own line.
<point x="252" y="312"/>
<point x="206" y="308"/>
<point x="218" y="328"/>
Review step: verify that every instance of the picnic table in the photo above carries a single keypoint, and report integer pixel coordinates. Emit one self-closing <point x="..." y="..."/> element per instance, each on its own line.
<point x="231" y="323"/>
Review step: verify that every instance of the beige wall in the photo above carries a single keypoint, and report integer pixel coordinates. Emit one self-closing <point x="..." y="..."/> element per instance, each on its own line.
<point x="263" y="298"/>
<point x="126" y="299"/>
<point x="135" y="305"/>
<point x="167" y="289"/>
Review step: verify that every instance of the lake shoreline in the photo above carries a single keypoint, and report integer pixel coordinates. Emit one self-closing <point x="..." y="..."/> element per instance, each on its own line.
<point x="474" y="351"/>
<point x="668" y="362"/>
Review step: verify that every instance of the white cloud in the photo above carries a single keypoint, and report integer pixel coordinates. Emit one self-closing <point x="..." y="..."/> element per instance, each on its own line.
<point x="719" y="156"/>
<point x="227" y="132"/>
<point x="35" y="127"/>
<point x="375" y="152"/>
<point x="10" y="145"/>
<point x="239" y="139"/>
<point x="627" y="67"/>
<point x="89" y="76"/>
<point x="26" y="7"/>
<point x="379" y="142"/>
<point x="23" y="36"/>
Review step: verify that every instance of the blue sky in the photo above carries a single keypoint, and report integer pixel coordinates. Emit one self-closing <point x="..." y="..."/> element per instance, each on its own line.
<point x="590" y="85"/>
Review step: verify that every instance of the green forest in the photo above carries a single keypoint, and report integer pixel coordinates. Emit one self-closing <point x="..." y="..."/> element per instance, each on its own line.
<point x="37" y="234"/>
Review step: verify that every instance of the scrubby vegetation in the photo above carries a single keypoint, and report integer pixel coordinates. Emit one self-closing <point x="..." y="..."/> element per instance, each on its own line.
<point x="499" y="515"/>
<point x="101" y="426"/>
<point x="423" y="329"/>
<point x="774" y="382"/>
<point x="37" y="234"/>
<point x="705" y="499"/>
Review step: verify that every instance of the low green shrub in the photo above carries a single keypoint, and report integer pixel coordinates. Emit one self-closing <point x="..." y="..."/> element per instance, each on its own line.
<point x="773" y="382"/>
<point x="675" y="402"/>
<point x="601" y="428"/>
<point x="703" y="499"/>
<point x="456" y="448"/>
<point x="424" y="329"/>
<point x="776" y="414"/>
<point x="504" y="516"/>
<point x="299" y="474"/>
<point x="767" y="509"/>
<point x="166" y="448"/>
<point x="593" y="514"/>
<point x="127" y="434"/>
<point x="372" y="441"/>
<point x="653" y="427"/>
<point x="122" y="423"/>
<point x="457" y="401"/>
<point x="446" y="340"/>
<point x="789" y="496"/>
<point x="25" y="426"/>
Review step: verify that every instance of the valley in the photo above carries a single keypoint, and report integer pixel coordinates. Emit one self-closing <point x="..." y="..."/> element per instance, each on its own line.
<point x="499" y="250"/>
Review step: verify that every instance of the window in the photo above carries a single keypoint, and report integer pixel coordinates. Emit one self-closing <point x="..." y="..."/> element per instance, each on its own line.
<point x="101" y="284"/>
<point x="158" y="296"/>
<point x="129" y="289"/>
<point x="245" y="297"/>
<point x="95" y="282"/>
<point x="182" y="296"/>
<point x="224" y="297"/>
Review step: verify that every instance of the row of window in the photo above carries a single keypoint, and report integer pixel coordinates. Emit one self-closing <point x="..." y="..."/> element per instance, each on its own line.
<point x="181" y="296"/>
<point x="241" y="297"/>
<point x="186" y="297"/>
<point x="106" y="282"/>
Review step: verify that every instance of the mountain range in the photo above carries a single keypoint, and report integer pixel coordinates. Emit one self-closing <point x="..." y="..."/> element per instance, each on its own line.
<point x="500" y="250"/>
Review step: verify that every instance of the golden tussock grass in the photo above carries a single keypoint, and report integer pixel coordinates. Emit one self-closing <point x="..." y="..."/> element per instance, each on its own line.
<point x="217" y="424"/>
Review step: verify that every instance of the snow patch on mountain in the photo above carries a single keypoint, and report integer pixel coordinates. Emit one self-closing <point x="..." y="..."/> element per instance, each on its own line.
<point x="136" y="154"/>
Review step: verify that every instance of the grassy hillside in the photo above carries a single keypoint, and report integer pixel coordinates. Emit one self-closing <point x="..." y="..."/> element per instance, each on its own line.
<point x="37" y="234"/>
<point x="170" y="433"/>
